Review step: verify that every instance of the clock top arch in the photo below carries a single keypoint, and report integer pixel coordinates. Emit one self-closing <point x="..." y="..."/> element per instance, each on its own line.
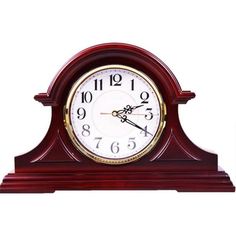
<point x="114" y="53"/>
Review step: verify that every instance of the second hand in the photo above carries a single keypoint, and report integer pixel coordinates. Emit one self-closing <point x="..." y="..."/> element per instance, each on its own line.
<point x="136" y="114"/>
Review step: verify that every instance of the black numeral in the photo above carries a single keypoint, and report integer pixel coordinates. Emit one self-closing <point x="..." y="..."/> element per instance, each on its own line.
<point x="149" y="116"/>
<point x="98" y="84"/>
<point x="115" y="80"/>
<point x="115" y="147"/>
<point x="132" y="84"/>
<point x="131" y="143"/>
<point x="86" y="131"/>
<point x="144" y="131"/>
<point x="81" y="113"/>
<point x="144" y="96"/>
<point x="86" y="97"/>
<point x="99" y="140"/>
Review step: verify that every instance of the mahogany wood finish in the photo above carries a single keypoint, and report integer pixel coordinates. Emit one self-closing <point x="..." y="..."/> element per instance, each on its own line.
<point x="175" y="162"/>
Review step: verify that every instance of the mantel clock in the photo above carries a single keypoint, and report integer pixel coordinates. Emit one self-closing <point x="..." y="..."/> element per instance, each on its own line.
<point x="115" y="125"/>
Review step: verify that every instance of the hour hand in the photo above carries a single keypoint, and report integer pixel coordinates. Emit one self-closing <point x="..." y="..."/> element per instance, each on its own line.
<point x="135" y="107"/>
<point x="128" y="109"/>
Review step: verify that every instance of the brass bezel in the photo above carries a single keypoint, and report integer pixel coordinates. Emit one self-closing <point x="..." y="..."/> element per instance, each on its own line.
<point x="93" y="156"/>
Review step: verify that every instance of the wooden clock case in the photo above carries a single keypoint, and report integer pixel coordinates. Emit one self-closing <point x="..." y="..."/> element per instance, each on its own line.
<point x="174" y="164"/>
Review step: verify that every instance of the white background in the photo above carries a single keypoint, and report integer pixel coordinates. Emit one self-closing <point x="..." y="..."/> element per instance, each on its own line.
<point x="196" y="39"/>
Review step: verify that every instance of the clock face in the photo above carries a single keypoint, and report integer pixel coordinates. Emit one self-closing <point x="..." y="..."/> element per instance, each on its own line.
<point x="114" y="114"/>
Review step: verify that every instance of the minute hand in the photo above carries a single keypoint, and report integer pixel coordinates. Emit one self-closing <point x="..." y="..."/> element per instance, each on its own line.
<point x="125" y="119"/>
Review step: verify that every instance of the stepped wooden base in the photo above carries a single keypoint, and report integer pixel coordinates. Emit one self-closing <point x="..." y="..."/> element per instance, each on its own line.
<point x="211" y="181"/>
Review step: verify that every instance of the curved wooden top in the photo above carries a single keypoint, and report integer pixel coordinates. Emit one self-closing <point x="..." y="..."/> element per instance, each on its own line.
<point x="113" y="53"/>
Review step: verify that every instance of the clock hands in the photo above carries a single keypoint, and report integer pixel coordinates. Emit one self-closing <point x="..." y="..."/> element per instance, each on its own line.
<point x="128" y="109"/>
<point x="132" y="114"/>
<point x="123" y="118"/>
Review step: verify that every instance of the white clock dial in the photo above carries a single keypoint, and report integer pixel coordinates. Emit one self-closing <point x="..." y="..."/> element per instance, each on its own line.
<point x="114" y="114"/>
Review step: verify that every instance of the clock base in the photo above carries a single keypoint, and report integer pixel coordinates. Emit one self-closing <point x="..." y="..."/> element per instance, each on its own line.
<point x="194" y="181"/>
